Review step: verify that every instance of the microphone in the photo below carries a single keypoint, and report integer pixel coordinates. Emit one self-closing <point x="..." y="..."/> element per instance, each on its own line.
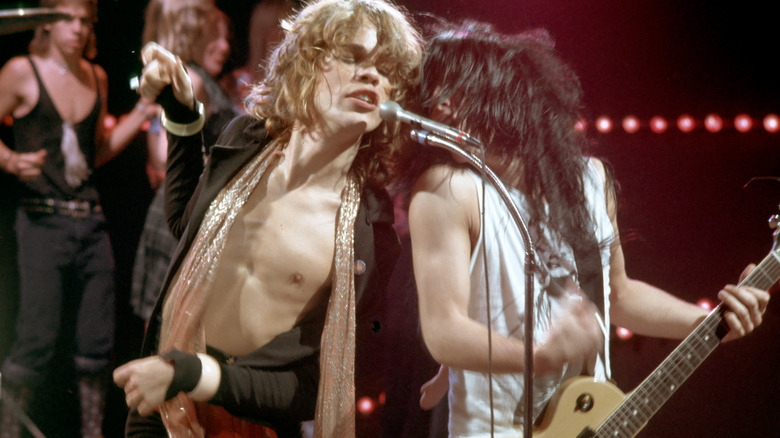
<point x="391" y="112"/>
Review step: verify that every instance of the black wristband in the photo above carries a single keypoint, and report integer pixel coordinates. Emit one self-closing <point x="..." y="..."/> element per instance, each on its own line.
<point x="186" y="372"/>
<point x="175" y="111"/>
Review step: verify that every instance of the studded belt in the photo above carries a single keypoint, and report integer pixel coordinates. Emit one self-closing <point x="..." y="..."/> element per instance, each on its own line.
<point x="76" y="209"/>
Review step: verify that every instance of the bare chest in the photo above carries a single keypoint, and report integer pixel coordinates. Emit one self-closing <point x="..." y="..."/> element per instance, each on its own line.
<point x="73" y="95"/>
<point x="276" y="265"/>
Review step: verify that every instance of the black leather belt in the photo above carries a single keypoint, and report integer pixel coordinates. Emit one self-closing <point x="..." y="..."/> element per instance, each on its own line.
<point x="76" y="209"/>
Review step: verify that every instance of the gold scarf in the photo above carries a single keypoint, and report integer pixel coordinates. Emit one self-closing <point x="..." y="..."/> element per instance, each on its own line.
<point x="335" y="415"/>
<point x="182" y="324"/>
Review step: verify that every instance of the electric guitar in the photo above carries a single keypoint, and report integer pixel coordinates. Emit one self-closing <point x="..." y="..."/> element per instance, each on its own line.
<point x="584" y="408"/>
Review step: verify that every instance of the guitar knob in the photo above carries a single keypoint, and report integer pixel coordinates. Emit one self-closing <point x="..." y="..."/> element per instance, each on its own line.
<point x="774" y="221"/>
<point x="585" y="402"/>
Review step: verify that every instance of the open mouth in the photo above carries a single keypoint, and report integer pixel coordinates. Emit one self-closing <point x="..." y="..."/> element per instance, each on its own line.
<point x="365" y="96"/>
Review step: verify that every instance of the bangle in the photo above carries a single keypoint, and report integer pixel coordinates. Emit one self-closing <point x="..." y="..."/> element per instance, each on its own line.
<point x="187" y="370"/>
<point x="185" y="129"/>
<point x="210" y="377"/>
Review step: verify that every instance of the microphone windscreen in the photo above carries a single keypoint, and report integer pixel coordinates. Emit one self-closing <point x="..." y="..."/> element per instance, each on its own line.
<point x="388" y="110"/>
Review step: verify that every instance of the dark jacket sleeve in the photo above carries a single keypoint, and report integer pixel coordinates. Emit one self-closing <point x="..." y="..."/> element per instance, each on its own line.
<point x="183" y="169"/>
<point x="276" y="384"/>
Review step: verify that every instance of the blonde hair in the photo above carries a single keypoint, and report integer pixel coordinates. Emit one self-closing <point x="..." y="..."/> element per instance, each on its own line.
<point x="39" y="45"/>
<point x="181" y="26"/>
<point x="287" y="93"/>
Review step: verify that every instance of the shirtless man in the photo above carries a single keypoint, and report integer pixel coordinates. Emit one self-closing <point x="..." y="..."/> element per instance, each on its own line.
<point x="260" y="281"/>
<point x="58" y="100"/>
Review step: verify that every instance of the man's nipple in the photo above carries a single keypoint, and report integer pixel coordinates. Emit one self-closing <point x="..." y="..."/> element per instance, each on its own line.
<point x="296" y="278"/>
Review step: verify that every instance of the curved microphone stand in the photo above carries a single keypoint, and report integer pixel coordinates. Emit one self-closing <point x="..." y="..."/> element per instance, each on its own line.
<point x="431" y="139"/>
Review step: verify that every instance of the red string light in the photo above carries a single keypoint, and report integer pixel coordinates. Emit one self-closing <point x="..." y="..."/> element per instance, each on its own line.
<point x="630" y="124"/>
<point x="366" y="405"/>
<point x="772" y="123"/>
<point x="743" y="123"/>
<point x="685" y="123"/>
<point x="658" y="124"/>
<point x="604" y="124"/>
<point x="713" y="123"/>
<point x="623" y="333"/>
<point x="705" y="303"/>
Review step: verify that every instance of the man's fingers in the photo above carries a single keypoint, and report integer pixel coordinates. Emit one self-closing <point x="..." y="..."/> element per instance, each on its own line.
<point x="161" y="69"/>
<point x="122" y="375"/>
<point x="740" y="307"/>
<point x="745" y="272"/>
<point x="145" y="409"/>
<point x="153" y="51"/>
<point x="154" y="78"/>
<point x="746" y="307"/>
<point x="148" y="52"/>
<point x="39" y="156"/>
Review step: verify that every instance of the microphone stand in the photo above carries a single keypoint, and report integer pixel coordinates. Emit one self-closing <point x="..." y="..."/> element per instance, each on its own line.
<point x="430" y="139"/>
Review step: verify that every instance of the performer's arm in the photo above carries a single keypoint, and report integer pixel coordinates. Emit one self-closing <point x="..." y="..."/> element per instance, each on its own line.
<point x="444" y="225"/>
<point x="13" y="76"/>
<point x="651" y="311"/>
<point x="112" y="143"/>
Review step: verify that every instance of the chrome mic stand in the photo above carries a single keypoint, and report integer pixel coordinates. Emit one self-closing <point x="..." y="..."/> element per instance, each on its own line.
<point x="430" y="139"/>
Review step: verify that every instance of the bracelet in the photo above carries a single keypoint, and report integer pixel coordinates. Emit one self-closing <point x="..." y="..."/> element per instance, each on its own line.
<point x="187" y="370"/>
<point x="185" y="129"/>
<point x="210" y="377"/>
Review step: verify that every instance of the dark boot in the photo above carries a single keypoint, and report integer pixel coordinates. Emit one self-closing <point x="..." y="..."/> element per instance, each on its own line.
<point x="92" y="394"/>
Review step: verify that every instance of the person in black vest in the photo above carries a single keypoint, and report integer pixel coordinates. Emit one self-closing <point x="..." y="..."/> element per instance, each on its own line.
<point x="58" y="100"/>
<point x="515" y="94"/>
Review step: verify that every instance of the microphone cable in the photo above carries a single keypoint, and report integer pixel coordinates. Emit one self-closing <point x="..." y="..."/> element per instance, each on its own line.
<point x="483" y="248"/>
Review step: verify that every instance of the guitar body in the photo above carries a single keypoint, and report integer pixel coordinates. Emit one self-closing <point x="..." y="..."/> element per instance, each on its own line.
<point x="585" y="408"/>
<point x="580" y="404"/>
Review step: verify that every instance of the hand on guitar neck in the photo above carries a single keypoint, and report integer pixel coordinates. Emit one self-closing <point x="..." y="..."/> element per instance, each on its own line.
<point x="745" y="305"/>
<point x="583" y="407"/>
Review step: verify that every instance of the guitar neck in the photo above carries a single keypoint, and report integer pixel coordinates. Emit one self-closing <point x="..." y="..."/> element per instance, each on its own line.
<point x="638" y="407"/>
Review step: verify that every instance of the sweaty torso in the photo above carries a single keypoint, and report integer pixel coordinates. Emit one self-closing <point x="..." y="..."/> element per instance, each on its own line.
<point x="276" y="265"/>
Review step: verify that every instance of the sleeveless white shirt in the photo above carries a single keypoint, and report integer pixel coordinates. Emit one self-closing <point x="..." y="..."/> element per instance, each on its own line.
<point x="469" y="396"/>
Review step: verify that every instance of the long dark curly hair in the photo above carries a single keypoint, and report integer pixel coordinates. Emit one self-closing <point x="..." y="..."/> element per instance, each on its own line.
<point x="523" y="101"/>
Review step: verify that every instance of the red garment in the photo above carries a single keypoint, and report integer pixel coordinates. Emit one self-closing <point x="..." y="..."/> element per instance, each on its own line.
<point x="218" y="423"/>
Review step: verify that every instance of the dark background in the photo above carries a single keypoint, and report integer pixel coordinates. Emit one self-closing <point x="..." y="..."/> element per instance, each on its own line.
<point x="688" y="223"/>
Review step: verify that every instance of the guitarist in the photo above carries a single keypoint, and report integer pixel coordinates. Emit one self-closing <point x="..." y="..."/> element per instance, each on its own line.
<point x="522" y="100"/>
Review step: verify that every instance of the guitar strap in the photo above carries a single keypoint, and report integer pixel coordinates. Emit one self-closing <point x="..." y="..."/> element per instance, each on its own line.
<point x="590" y="273"/>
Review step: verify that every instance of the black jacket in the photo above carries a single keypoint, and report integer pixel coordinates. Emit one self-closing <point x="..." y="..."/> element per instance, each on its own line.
<point x="277" y="384"/>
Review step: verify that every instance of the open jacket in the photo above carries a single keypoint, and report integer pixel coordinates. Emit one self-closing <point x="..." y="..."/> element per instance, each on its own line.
<point x="275" y="385"/>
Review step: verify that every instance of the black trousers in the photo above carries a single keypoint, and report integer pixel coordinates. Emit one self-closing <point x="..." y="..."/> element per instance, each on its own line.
<point x="66" y="298"/>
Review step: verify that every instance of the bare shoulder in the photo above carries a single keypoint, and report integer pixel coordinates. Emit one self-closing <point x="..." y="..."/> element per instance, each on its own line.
<point x="444" y="196"/>
<point x="100" y="74"/>
<point x="599" y="165"/>
<point x="17" y="69"/>
<point x="18" y="87"/>
<point x="447" y="181"/>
